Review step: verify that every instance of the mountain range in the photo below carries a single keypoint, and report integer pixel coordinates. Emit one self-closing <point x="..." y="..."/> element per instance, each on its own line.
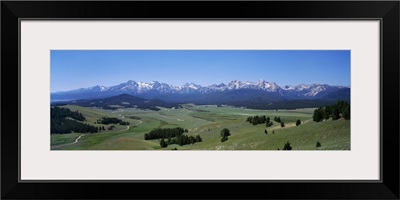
<point x="216" y="93"/>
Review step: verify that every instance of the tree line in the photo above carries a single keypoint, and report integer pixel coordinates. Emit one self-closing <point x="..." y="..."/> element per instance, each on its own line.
<point x="268" y="122"/>
<point x="256" y="119"/>
<point x="164" y="133"/>
<point x="336" y="111"/>
<point x="180" y="140"/>
<point x="111" y="120"/>
<point x="58" y="113"/>
<point x="61" y="124"/>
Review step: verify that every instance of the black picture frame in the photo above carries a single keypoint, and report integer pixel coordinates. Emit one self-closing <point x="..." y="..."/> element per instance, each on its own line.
<point x="386" y="11"/>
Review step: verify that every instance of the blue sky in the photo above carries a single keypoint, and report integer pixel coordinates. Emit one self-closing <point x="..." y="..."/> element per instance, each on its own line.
<point x="72" y="69"/>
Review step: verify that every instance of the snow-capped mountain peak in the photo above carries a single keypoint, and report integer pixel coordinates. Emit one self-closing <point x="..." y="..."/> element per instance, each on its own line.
<point x="133" y="87"/>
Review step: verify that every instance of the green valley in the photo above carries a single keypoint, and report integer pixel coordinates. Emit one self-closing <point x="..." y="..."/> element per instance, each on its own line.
<point x="206" y="122"/>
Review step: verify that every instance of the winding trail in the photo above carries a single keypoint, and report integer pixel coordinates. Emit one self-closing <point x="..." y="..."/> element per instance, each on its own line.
<point x="76" y="140"/>
<point x="127" y="128"/>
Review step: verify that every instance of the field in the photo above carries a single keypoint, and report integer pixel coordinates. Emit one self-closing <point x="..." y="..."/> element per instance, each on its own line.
<point x="207" y="121"/>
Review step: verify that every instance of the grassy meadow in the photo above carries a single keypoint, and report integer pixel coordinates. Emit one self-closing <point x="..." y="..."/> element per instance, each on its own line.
<point x="207" y="121"/>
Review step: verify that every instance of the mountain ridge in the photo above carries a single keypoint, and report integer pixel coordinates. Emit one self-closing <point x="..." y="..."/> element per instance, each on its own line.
<point x="155" y="88"/>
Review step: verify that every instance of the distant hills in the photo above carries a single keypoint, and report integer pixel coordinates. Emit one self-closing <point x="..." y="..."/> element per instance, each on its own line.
<point x="120" y="101"/>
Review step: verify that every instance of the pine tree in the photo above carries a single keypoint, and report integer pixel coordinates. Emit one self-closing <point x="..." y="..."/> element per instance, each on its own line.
<point x="163" y="144"/>
<point x="287" y="146"/>
<point x="326" y="112"/>
<point x="318" y="144"/>
<point x="225" y="132"/>
<point x="346" y="112"/>
<point x="298" y="122"/>
<point x="335" y="113"/>
<point x="198" y="138"/>
<point x="318" y="115"/>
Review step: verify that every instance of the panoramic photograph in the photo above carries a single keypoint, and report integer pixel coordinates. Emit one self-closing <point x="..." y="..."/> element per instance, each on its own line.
<point x="200" y="100"/>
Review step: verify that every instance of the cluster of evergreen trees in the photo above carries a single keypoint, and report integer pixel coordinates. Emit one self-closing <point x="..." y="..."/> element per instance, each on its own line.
<point x="68" y="126"/>
<point x="256" y="119"/>
<point x="58" y="113"/>
<point x="111" y="120"/>
<point x="260" y="120"/>
<point x="164" y="133"/>
<point x="335" y="111"/>
<point x="101" y="128"/>
<point x="60" y="122"/>
<point x="180" y="140"/>
<point x="268" y="122"/>
<point x="224" y="134"/>
<point x="277" y="119"/>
